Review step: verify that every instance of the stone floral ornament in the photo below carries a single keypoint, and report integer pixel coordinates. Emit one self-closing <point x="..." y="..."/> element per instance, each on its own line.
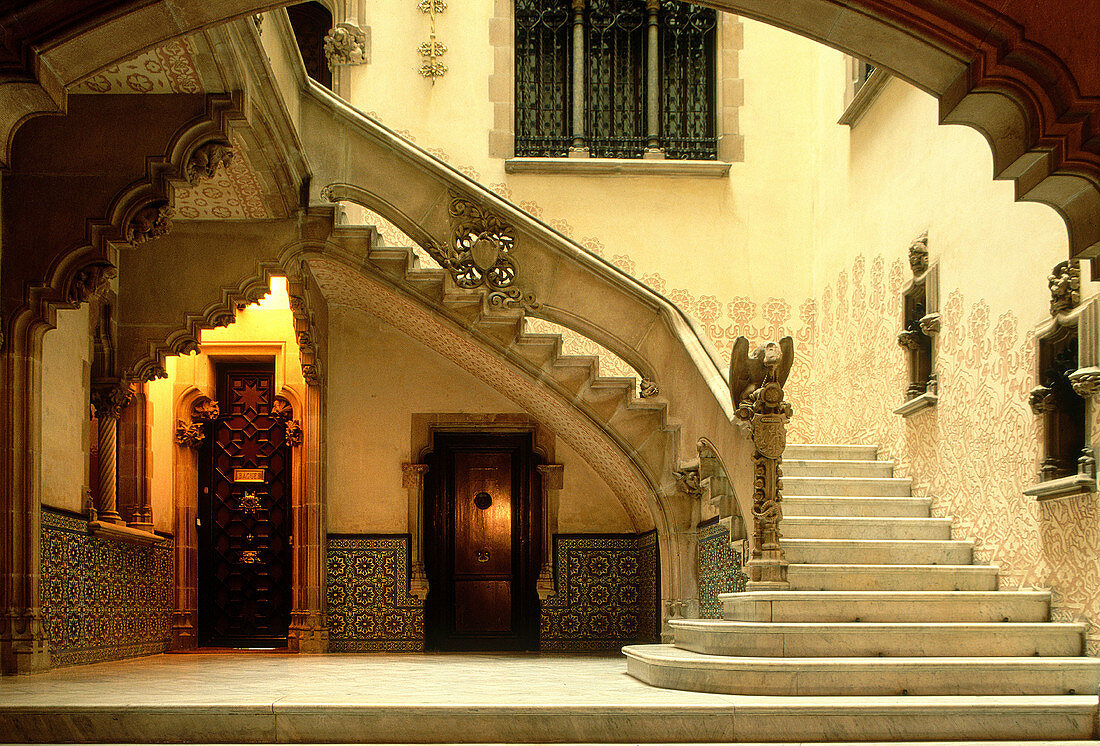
<point x="283" y="410"/>
<point x="756" y="387"/>
<point x="432" y="50"/>
<point x="191" y="434"/>
<point x="346" y="44"/>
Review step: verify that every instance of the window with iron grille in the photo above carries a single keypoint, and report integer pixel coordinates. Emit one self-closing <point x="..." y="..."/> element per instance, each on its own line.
<point x="615" y="78"/>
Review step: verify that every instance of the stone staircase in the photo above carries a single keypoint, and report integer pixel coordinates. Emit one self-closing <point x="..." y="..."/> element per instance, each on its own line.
<point x="640" y="424"/>
<point x="885" y="607"/>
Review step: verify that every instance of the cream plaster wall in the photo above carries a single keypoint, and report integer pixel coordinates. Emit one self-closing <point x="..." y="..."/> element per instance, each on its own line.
<point x="378" y="379"/>
<point x="66" y="356"/>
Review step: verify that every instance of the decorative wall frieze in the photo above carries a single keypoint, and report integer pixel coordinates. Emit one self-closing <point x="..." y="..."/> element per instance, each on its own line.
<point x="91" y="281"/>
<point x="152" y="221"/>
<point x="204" y="161"/>
<point x="346" y="44"/>
<point x="1065" y="287"/>
<point x="756" y="386"/>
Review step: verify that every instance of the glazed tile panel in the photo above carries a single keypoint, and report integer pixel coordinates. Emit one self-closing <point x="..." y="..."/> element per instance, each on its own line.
<point x="606" y="593"/>
<point x="369" y="606"/>
<point x="719" y="568"/>
<point x="102" y="599"/>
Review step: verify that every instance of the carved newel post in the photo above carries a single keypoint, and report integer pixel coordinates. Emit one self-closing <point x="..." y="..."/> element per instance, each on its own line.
<point x="756" y="385"/>
<point x="108" y="400"/>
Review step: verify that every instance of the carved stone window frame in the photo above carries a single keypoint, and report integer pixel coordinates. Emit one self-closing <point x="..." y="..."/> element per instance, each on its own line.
<point x="1084" y="320"/>
<point x="926" y="282"/>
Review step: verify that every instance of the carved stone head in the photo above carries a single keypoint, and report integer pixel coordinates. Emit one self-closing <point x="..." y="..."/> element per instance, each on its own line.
<point x="918" y="255"/>
<point x="1065" y="287"/>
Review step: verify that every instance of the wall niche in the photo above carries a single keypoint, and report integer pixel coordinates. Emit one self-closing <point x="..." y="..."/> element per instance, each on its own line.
<point x="1068" y="376"/>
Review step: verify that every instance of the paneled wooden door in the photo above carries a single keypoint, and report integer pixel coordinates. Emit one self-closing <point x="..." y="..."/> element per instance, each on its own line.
<point x="244" y="515"/>
<point x="482" y="543"/>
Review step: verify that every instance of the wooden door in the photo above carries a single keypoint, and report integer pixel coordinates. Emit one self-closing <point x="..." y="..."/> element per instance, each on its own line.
<point x="482" y="549"/>
<point x="244" y="516"/>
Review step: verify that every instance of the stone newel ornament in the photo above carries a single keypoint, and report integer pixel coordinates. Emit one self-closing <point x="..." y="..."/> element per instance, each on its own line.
<point x="756" y="386"/>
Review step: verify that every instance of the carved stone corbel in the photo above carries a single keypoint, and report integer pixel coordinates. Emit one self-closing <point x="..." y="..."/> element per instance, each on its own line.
<point x="1043" y="399"/>
<point x="648" y="388"/>
<point x="1064" y="282"/>
<point x="930" y="324"/>
<point x="152" y="221"/>
<point x="346" y="44"/>
<point x="756" y="386"/>
<point x="311" y="373"/>
<point x="687" y="481"/>
<point x="1085" y="381"/>
<point x="90" y="282"/>
<point x="918" y="255"/>
<point x="206" y="159"/>
<point x="909" y="339"/>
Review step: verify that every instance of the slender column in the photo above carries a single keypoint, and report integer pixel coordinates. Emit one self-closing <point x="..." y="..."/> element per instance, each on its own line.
<point x="552" y="481"/>
<point x="653" y="90"/>
<point x="309" y="626"/>
<point x="24" y="646"/>
<point x="133" y="497"/>
<point x="412" y="479"/>
<point x="109" y="398"/>
<point x="578" y="148"/>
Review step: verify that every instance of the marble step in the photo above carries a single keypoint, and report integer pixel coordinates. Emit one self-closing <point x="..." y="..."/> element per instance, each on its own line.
<point x="868" y="639"/>
<point x="829" y="452"/>
<point x="836" y="468"/>
<point x="876" y="552"/>
<point x="886" y="606"/>
<point x="870" y="507"/>
<point x="845" y="527"/>
<point x="673" y="668"/>
<point x="847" y="486"/>
<point x="719" y="719"/>
<point x="893" y="577"/>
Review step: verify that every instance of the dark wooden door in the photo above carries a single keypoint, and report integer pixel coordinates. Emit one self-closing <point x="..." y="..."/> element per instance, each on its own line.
<point x="244" y="515"/>
<point x="482" y="544"/>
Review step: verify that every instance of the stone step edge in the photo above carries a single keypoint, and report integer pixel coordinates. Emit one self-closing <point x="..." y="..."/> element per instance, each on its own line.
<point x="846" y="595"/>
<point x="871" y="542"/>
<point x="895" y="519"/>
<point x="975" y="569"/>
<point x="884" y="627"/>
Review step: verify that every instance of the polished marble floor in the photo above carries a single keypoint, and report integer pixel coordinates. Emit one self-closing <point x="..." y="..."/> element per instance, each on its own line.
<point x="500" y="698"/>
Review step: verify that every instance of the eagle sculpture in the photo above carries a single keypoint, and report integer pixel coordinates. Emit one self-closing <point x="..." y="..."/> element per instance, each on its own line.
<point x="750" y="371"/>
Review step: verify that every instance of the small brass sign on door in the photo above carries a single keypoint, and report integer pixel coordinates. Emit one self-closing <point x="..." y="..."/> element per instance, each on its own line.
<point x="248" y="475"/>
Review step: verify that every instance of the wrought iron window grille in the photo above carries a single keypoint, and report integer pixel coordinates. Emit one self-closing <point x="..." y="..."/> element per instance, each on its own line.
<point x="615" y="79"/>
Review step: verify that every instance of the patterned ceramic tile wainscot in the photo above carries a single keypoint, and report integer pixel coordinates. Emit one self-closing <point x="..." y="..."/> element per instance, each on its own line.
<point x="369" y="606"/>
<point x="102" y="599"/>
<point x="719" y="568"/>
<point x="606" y="592"/>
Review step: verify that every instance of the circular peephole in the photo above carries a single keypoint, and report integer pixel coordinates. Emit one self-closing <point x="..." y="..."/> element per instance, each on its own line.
<point x="483" y="500"/>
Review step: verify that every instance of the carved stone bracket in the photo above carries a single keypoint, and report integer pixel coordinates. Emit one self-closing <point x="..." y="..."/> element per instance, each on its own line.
<point x="205" y="409"/>
<point x="1065" y="287"/>
<point x="930" y="324"/>
<point x="152" y="221"/>
<point x="756" y="386"/>
<point x="687" y="481"/>
<point x="205" y="160"/>
<point x="282" y="409"/>
<point x="1043" y="399"/>
<point x="91" y="281"/>
<point x="648" y="388"/>
<point x="909" y="339"/>
<point x="346" y="44"/>
<point x="1085" y="381"/>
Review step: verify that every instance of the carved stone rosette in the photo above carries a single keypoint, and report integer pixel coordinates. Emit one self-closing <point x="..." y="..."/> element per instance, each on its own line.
<point x="1065" y="287"/>
<point x="756" y="385"/>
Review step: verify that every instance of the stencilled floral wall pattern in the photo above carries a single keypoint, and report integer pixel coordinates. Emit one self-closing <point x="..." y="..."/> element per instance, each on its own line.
<point x="977" y="450"/>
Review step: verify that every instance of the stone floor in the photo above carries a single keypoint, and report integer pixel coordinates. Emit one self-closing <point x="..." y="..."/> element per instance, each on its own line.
<point x="499" y="698"/>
